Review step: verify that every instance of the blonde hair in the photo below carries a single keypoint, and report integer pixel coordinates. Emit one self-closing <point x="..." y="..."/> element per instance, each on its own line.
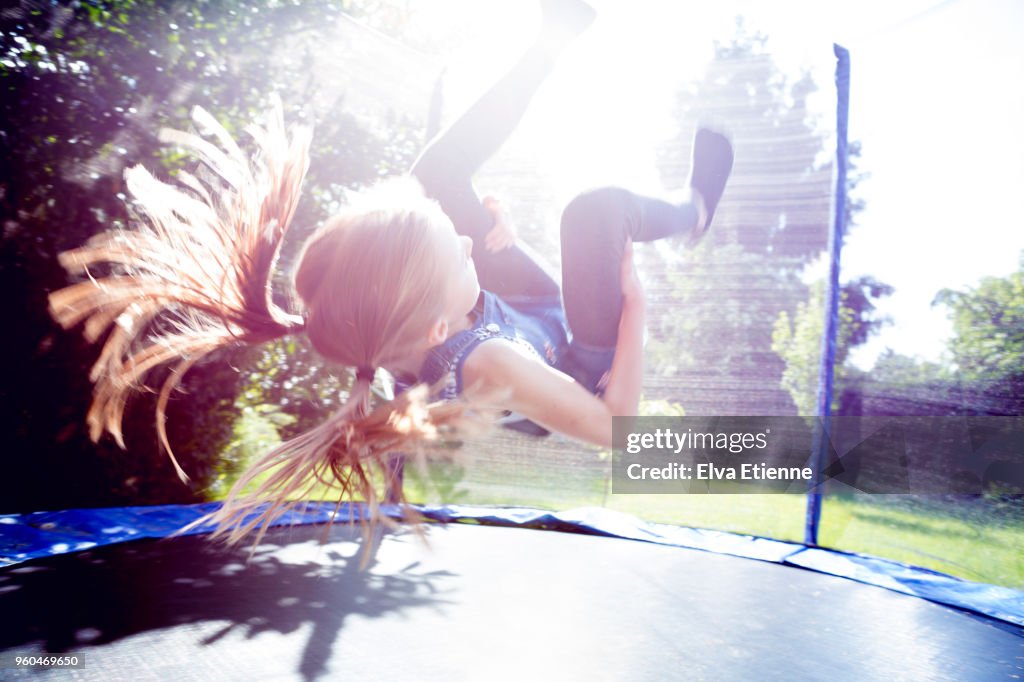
<point x="203" y="252"/>
<point x="370" y="279"/>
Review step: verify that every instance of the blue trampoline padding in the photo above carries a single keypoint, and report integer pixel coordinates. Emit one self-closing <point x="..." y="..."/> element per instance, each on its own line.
<point x="601" y="521"/>
<point x="41" y="534"/>
<point x="1001" y="603"/>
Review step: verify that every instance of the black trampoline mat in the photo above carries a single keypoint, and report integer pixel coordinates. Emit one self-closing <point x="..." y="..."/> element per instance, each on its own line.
<point x="480" y="603"/>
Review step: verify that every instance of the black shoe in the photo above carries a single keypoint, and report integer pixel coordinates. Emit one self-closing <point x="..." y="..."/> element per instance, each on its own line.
<point x="709" y="170"/>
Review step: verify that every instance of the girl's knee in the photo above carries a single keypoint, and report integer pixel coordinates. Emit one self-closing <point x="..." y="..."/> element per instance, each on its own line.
<point x="596" y="210"/>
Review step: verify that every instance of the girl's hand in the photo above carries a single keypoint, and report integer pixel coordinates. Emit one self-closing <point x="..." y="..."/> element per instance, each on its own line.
<point x="503" y="234"/>
<point x="632" y="291"/>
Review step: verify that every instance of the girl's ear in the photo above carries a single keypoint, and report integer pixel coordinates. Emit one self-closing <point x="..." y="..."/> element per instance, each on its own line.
<point x="438" y="333"/>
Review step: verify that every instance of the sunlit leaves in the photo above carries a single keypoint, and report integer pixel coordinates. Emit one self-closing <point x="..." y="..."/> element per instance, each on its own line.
<point x="85" y="88"/>
<point x="988" y="323"/>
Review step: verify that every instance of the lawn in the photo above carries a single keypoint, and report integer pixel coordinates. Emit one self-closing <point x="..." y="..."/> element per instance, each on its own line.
<point x="980" y="539"/>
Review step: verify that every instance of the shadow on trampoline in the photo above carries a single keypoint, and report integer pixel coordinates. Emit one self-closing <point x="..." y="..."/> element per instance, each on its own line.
<point x="79" y="601"/>
<point x="482" y="602"/>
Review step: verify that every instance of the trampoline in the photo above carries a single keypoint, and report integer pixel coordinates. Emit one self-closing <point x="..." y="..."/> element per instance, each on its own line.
<point x="478" y="603"/>
<point x="504" y="593"/>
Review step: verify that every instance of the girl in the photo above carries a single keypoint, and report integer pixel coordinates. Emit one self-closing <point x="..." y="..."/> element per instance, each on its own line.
<point x="430" y="288"/>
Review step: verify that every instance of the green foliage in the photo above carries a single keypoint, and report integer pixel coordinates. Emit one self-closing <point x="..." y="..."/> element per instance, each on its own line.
<point x="287" y="389"/>
<point x="660" y="408"/>
<point x="436" y="482"/>
<point x="798" y="343"/>
<point x="85" y="89"/>
<point x="713" y="312"/>
<point x="798" y="340"/>
<point x="985" y="375"/>
<point x="899" y="371"/>
<point x="711" y="322"/>
<point x="255" y="432"/>
<point x="988" y="326"/>
<point x="739" y="313"/>
<point x="987" y="347"/>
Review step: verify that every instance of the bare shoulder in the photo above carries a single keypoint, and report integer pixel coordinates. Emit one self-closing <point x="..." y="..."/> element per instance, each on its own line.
<point x="501" y="374"/>
<point x="497" y="363"/>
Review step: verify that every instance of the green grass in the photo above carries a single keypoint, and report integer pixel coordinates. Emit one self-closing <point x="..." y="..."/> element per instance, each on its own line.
<point x="775" y="516"/>
<point x="977" y="539"/>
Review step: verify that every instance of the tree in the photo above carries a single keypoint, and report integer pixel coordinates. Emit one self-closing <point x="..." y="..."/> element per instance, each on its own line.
<point x="714" y="311"/>
<point x="988" y="327"/>
<point x="798" y="340"/>
<point x="84" y="89"/>
<point x="986" y="375"/>
<point x="988" y="340"/>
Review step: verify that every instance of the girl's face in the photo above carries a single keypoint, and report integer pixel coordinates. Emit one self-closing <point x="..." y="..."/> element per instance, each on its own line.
<point x="462" y="289"/>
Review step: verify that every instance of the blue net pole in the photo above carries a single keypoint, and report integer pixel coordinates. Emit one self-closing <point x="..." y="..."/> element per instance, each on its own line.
<point x="828" y="341"/>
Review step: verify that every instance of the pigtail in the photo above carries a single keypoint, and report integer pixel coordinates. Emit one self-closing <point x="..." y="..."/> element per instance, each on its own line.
<point x="200" y="258"/>
<point x="348" y="455"/>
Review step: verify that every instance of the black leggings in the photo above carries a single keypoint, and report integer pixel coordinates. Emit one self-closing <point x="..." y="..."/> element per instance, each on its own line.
<point x="595" y="225"/>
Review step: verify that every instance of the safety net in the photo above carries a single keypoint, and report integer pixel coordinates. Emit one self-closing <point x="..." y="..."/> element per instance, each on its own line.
<point x="736" y="327"/>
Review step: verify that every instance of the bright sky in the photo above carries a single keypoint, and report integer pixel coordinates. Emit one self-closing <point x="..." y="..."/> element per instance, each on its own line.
<point x="936" y="100"/>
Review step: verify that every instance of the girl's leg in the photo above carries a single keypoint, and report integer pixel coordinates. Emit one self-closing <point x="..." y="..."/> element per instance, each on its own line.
<point x="595" y="228"/>
<point x="446" y="167"/>
<point x="596" y="225"/>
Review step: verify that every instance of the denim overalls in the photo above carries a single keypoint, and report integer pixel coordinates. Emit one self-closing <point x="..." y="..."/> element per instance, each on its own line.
<point x="537" y="325"/>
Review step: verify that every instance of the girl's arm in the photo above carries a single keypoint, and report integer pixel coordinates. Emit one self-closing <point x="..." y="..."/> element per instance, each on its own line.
<point x="500" y="374"/>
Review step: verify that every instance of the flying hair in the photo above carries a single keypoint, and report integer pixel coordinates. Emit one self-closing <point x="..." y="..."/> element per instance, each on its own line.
<point x="200" y="258"/>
